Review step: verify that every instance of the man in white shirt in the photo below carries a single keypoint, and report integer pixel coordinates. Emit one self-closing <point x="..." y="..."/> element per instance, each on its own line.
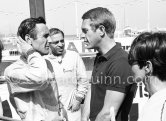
<point x="31" y="82"/>
<point x="70" y="74"/>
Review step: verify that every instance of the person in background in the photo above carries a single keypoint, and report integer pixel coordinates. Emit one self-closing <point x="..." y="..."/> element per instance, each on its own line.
<point x="147" y="57"/>
<point x="111" y="84"/>
<point x="31" y="82"/>
<point x="1" y="108"/>
<point x="1" y="48"/>
<point x="70" y="75"/>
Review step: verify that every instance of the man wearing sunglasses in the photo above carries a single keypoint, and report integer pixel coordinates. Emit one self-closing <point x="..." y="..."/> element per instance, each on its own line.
<point x="70" y="75"/>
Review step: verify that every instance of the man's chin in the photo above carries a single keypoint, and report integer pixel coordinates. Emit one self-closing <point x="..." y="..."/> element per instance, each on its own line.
<point x="88" y="47"/>
<point x="44" y="53"/>
<point x="57" y="54"/>
<point x="60" y="53"/>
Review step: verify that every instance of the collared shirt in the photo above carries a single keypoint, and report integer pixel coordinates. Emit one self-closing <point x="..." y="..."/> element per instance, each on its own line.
<point x="33" y="89"/>
<point x="111" y="72"/>
<point x="70" y="74"/>
<point x="155" y="108"/>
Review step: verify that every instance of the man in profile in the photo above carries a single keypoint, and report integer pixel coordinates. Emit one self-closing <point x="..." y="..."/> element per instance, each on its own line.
<point x="110" y="86"/>
<point x="31" y="82"/>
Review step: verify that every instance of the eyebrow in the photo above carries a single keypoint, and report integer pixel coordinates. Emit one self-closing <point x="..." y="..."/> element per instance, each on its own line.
<point x="55" y="42"/>
<point x="84" y="30"/>
<point x="46" y="35"/>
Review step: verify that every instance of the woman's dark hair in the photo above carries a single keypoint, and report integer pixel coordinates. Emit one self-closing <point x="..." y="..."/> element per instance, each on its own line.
<point x="150" y="46"/>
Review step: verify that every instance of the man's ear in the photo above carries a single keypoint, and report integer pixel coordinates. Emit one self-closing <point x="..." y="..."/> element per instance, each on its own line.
<point x="148" y="68"/>
<point x="101" y="30"/>
<point x="28" y="39"/>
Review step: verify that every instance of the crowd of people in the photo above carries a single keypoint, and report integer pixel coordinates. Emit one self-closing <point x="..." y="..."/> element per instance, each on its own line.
<point x="49" y="83"/>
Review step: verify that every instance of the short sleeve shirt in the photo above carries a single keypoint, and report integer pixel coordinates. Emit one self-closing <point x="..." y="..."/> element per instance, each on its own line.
<point x="111" y="72"/>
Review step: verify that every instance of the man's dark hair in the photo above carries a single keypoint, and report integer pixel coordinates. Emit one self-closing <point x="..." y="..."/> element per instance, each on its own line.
<point x="27" y="26"/>
<point x="56" y="31"/>
<point x="151" y="47"/>
<point x="101" y="16"/>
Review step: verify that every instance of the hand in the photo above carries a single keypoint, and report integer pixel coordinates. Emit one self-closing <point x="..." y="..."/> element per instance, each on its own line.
<point x="23" y="46"/>
<point x="57" y="117"/>
<point x="109" y="116"/>
<point x="64" y="114"/>
<point x="74" y="105"/>
<point x="105" y="117"/>
<point x="84" y="119"/>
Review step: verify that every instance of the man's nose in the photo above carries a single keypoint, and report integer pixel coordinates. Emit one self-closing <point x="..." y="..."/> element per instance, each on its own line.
<point x="49" y="39"/>
<point x="60" y="43"/>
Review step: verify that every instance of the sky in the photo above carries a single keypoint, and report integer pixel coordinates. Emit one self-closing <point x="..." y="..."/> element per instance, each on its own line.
<point x="12" y="12"/>
<point x="66" y="14"/>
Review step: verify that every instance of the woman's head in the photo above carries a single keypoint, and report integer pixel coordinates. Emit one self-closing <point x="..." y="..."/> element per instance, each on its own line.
<point x="150" y="48"/>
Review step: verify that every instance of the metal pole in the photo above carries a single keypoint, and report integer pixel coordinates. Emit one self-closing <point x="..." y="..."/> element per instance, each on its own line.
<point x="76" y="18"/>
<point x="124" y="15"/>
<point x="37" y="8"/>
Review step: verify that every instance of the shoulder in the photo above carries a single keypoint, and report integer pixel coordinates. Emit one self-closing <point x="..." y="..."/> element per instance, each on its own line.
<point x="48" y="56"/>
<point x="121" y="54"/>
<point x="17" y="64"/>
<point x="120" y="57"/>
<point x="119" y="64"/>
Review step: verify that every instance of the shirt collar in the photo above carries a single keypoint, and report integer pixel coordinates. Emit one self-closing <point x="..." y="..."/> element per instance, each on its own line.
<point x="23" y="58"/>
<point x="111" y="52"/>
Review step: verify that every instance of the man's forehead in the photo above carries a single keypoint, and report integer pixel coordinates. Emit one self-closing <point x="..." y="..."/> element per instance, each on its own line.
<point x="57" y="37"/>
<point x="86" y="23"/>
<point x="42" y="28"/>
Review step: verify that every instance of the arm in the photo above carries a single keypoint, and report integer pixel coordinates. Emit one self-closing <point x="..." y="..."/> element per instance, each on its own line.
<point x="116" y="91"/>
<point x="82" y="81"/>
<point x="27" y="76"/>
<point x="82" y="84"/>
<point x="86" y="107"/>
<point x="30" y="76"/>
<point x="112" y="99"/>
